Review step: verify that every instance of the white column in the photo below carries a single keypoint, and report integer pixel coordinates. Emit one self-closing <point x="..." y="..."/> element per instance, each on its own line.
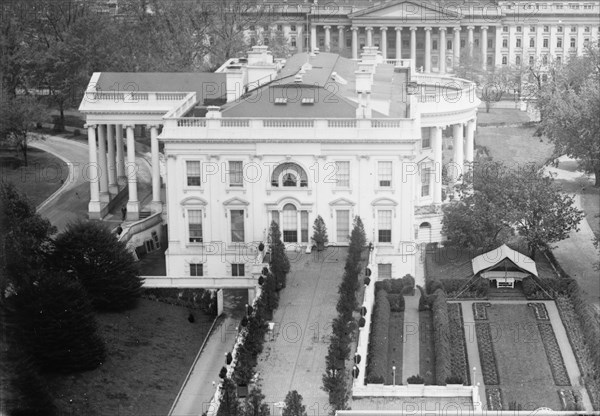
<point x="437" y="165"/>
<point x="498" y="51"/>
<point x="442" y="47"/>
<point x="341" y="39"/>
<point x="327" y="38"/>
<point x="369" y="30"/>
<point x="354" y="42"/>
<point x="456" y="47"/>
<point x="413" y="45"/>
<point x="384" y="42"/>
<point x="299" y="37"/>
<point x="313" y="37"/>
<point x="484" y="41"/>
<point x="121" y="177"/>
<point x="133" y="205"/>
<point x="398" y="42"/>
<point x="156" y="201"/>
<point x="102" y="164"/>
<point x="470" y="40"/>
<point x="299" y="226"/>
<point x="469" y="143"/>
<point x="428" y="49"/>
<point x="552" y="42"/>
<point x="92" y="172"/>
<point x="112" y="161"/>
<point x="457" y="167"/>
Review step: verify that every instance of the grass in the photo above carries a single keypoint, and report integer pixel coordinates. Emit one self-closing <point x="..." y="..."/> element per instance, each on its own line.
<point x="150" y="350"/>
<point x="500" y="116"/>
<point x="39" y="179"/>
<point x="395" y="346"/>
<point x="523" y="369"/>
<point x="514" y="145"/>
<point x="426" y="347"/>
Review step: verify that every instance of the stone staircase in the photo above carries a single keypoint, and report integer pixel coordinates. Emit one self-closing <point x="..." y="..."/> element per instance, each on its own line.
<point x="506" y="294"/>
<point x="145" y="214"/>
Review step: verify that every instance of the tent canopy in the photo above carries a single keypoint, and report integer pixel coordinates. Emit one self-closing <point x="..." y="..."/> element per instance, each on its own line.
<point x="503" y="258"/>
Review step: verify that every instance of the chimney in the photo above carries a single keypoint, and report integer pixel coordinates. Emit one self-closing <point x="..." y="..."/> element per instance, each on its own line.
<point x="213" y="111"/>
<point x="261" y="66"/>
<point x="235" y="77"/>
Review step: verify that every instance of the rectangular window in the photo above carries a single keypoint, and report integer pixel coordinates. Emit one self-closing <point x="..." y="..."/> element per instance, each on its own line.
<point x="532" y="28"/>
<point x="425" y="137"/>
<point x="279" y="28"/>
<point x="546" y="29"/>
<point x="304" y="226"/>
<point x="573" y="41"/>
<point x="342" y="174"/>
<point x="193" y="173"/>
<point x="462" y="43"/>
<point x="293" y="28"/>
<point x="289" y="225"/>
<point x="490" y="44"/>
<point x="236" y="173"/>
<point x="237" y="269"/>
<point x="505" y="43"/>
<point x="518" y="42"/>
<point x="586" y="29"/>
<point x="531" y="42"/>
<point x="558" y="42"/>
<point x="195" y="225"/>
<point x="559" y="29"/>
<point x="519" y="29"/>
<point x="343" y="225"/>
<point x="384" y="271"/>
<point x="293" y="42"/>
<point x="531" y="60"/>
<point x="545" y="42"/>
<point x="384" y="170"/>
<point x="558" y="60"/>
<point x="505" y="29"/>
<point x="434" y="45"/>
<point x="196" y="269"/>
<point x="573" y="28"/>
<point x="425" y="179"/>
<point x="237" y="225"/>
<point x="384" y="226"/>
<point x="504" y="60"/>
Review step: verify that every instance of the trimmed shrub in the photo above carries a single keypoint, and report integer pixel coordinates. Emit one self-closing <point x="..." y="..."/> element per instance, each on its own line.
<point x="465" y="288"/>
<point x="378" y="345"/>
<point x="423" y="304"/>
<point x="396" y="286"/>
<point x="529" y="286"/>
<point x="408" y="281"/>
<point x="454" y="380"/>
<point x="431" y="286"/>
<point x="417" y="379"/>
<point x="441" y="332"/>
<point x="383" y="285"/>
<point x="396" y="302"/>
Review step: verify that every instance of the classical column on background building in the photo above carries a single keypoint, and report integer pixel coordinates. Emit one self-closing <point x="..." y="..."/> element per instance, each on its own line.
<point x="313" y="37"/>
<point x="299" y="37"/>
<point x="470" y="40"/>
<point x="428" y="49"/>
<point x="484" y="41"/>
<point x="384" y="42"/>
<point x="113" y="188"/>
<point x="498" y="51"/>
<point x="398" y="42"/>
<point x="133" y="205"/>
<point x="92" y="173"/>
<point x="102" y="164"/>
<point x="121" y="178"/>
<point x="327" y="38"/>
<point x="369" y="30"/>
<point x="341" y="39"/>
<point x="354" y="30"/>
<point x="438" y="163"/>
<point x="469" y="142"/>
<point x="413" y="45"/>
<point x="458" y="135"/>
<point x="442" y="47"/>
<point x="456" y="47"/>
<point x="156" y="201"/>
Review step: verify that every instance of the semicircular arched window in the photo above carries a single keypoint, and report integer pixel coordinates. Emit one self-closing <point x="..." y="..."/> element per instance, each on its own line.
<point x="289" y="175"/>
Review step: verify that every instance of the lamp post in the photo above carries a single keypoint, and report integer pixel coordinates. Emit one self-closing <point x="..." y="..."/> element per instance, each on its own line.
<point x="474" y="372"/>
<point x="394" y="375"/>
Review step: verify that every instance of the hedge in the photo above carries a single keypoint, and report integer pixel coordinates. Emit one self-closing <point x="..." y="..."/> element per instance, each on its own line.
<point x="441" y="332"/>
<point x="466" y="288"/>
<point x="396" y="302"/>
<point x="378" y="344"/>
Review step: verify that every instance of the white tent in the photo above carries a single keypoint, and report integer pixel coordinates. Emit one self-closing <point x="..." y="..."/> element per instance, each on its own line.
<point x="504" y="265"/>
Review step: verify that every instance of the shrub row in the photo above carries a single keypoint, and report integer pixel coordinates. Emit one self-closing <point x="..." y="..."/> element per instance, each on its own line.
<point x="379" y="339"/>
<point x="460" y="288"/>
<point x="334" y="379"/>
<point x="405" y="285"/>
<point x="441" y="333"/>
<point x="201" y="299"/>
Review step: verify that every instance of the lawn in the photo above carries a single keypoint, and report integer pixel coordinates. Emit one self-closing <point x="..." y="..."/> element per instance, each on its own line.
<point x="39" y="179"/>
<point x="523" y="370"/>
<point x="150" y="350"/>
<point x="426" y="347"/>
<point x="500" y="116"/>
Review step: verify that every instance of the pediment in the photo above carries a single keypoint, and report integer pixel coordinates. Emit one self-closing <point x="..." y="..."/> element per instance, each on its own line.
<point x="341" y="202"/>
<point x="236" y="201"/>
<point x="193" y="200"/>
<point x="408" y="11"/>
<point x="384" y="202"/>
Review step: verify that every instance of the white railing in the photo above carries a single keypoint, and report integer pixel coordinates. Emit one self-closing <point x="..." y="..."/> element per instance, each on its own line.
<point x="188" y="102"/>
<point x="342" y="123"/>
<point x="191" y="122"/>
<point x="140" y="226"/>
<point x="287" y="122"/>
<point x="134" y="97"/>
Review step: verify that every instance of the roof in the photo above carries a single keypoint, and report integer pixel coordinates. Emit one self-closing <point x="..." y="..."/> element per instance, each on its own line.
<point x="206" y="85"/>
<point x="492" y="258"/>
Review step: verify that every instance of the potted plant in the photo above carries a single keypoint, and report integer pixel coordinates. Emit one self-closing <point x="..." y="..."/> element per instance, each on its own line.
<point x="416" y="380"/>
<point x="261" y="246"/>
<point x="320" y="233"/>
<point x="361" y="322"/>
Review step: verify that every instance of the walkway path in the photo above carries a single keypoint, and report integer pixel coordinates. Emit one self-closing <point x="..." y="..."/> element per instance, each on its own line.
<point x="577" y="254"/>
<point x="410" y="352"/>
<point x="561" y="337"/>
<point x="295" y="358"/>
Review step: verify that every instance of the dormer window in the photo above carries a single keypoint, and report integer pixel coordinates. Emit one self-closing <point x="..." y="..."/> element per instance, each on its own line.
<point x="281" y="100"/>
<point x="308" y="100"/>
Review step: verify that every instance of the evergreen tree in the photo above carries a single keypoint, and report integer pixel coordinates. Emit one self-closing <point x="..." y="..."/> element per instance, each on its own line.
<point x="29" y="394"/>
<point x="229" y="402"/>
<point x="280" y="264"/>
<point x="320" y="233"/>
<point x="54" y="323"/>
<point x="254" y="406"/>
<point x="293" y="405"/>
<point x="103" y="265"/>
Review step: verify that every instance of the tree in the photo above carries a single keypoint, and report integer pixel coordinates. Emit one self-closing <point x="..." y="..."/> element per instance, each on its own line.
<point x="19" y="115"/>
<point x="253" y="405"/>
<point x="103" y="265"/>
<point x="320" y="233"/>
<point x="570" y="115"/>
<point x="293" y="405"/>
<point x="25" y="239"/>
<point x="54" y="322"/>
<point x="280" y="264"/>
<point x="470" y="65"/>
<point x="229" y="402"/>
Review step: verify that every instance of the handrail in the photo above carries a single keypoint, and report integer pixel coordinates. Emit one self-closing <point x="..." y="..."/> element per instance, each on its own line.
<point x="140" y="226"/>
